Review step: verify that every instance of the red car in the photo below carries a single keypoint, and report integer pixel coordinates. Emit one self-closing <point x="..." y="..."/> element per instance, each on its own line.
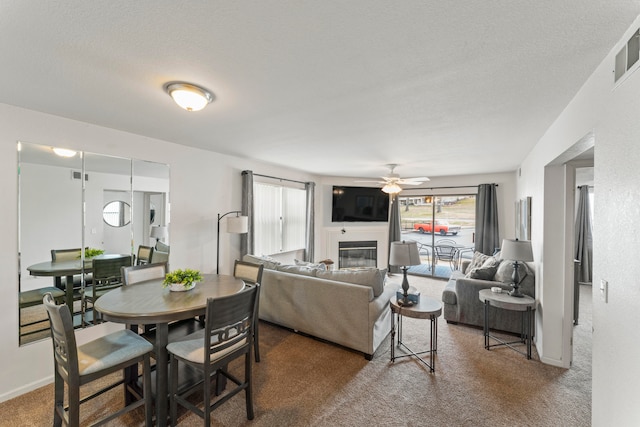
<point x="442" y="227"/>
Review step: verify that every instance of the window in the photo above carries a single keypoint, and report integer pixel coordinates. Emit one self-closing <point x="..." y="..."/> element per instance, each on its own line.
<point x="280" y="218"/>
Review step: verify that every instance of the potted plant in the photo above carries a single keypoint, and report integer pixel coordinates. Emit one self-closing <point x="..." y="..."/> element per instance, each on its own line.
<point x="181" y="280"/>
<point x="92" y="252"/>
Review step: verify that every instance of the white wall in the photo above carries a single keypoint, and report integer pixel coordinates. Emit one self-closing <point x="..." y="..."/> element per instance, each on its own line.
<point x="203" y="184"/>
<point x="612" y="114"/>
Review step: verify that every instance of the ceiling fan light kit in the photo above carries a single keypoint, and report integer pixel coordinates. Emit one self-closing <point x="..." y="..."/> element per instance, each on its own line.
<point x="393" y="181"/>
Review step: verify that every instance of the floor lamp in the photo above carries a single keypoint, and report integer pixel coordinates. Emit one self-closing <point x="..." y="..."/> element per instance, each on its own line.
<point x="238" y="224"/>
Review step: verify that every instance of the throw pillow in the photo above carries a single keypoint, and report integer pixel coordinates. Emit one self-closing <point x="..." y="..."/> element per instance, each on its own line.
<point x="486" y="271"/>
<point x="476" y="262"/>
<point x="372" y="277"/>
<point x="269" y="263"/>
<point x="318" y="266"/>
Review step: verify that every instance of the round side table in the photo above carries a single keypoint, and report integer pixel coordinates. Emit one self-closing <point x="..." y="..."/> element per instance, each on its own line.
<point x="427" y="308"/>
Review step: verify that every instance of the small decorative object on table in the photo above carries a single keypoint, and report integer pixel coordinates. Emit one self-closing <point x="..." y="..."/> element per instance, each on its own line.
<point x="412" y="294"/>
<point x="404" y="254"/>
<point x="181" y="280"/>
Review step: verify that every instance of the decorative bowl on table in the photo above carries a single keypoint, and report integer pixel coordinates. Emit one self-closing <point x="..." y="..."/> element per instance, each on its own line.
<point x="181" y="287"/>
<point x="181" y="280"/>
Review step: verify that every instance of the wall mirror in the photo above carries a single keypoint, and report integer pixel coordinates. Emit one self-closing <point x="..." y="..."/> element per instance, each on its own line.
<point x="61" y="208"/>
<point x="117" y="213"/>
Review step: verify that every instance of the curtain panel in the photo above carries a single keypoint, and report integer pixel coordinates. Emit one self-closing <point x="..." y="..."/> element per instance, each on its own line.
<point x="246" y="240"/>
<point x="584" y="248"/>
<point x="310" y="226"/>
<point x="487" y="231"/>
<point x="395" y="230"/>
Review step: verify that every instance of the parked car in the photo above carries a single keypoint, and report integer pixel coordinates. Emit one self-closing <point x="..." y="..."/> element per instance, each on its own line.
<point x="442" y="226"/>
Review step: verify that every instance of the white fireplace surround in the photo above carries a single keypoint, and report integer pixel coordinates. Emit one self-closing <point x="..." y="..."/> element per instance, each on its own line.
<point x="334" y="235"/>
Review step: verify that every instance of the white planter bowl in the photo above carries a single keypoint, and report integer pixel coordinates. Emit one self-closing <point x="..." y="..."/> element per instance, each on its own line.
<point x="179" y="287"/>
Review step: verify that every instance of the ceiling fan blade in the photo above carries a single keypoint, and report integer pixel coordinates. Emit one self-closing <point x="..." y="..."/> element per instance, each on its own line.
<point x="418" y="178"/>
<point x="373" y="182"/>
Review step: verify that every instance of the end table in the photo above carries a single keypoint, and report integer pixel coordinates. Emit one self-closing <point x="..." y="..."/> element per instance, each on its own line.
<point x="505" y="301"/>
<point x="427" y="308"/>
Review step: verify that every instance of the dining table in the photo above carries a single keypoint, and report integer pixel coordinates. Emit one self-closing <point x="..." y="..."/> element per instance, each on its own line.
<point x="149" y="303"/>
<point x="68" y="269"/>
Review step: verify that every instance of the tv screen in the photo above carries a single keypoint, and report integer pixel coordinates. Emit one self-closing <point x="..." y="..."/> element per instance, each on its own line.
<point x="355" y="204"/>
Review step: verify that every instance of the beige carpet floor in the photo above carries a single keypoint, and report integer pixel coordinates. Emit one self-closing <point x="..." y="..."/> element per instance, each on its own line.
<point x="306" y="382"/>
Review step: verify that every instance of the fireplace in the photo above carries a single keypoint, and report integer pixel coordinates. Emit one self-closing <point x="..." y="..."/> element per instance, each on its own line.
<point x="358" y="254"/>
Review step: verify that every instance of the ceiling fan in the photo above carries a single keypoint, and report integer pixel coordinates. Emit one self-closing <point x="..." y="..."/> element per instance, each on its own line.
<point x="392" y="182"/>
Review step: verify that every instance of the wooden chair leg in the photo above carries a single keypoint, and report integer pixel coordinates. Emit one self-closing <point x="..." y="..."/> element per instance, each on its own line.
<point x="249" y="389"/>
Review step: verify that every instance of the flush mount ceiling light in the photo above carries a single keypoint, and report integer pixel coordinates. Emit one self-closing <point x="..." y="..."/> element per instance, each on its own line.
<point x="188" y="96"/>
<point x="63" y="152"/>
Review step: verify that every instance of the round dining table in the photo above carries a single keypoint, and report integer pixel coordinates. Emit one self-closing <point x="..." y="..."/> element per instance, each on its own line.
<point x="149" y="303"/>
<point x="68" y="269"/>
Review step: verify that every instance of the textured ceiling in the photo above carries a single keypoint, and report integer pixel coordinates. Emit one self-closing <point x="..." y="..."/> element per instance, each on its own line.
<point x="333" y="87"/>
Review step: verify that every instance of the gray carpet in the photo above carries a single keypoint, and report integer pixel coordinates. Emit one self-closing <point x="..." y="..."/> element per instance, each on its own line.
<point x="305" y="382"/>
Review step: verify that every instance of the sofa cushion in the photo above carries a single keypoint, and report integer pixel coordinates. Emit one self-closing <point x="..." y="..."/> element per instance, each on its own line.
<point x="318" y="266"/>
<point x="486" y="271"/>
<point x="476" y="261"/>
<point x="372" y="277"/>
<point x="297" y="269"/>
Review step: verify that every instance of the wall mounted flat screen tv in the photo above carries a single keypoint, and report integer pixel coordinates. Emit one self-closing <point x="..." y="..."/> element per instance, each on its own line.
<point x="359" y="204"/>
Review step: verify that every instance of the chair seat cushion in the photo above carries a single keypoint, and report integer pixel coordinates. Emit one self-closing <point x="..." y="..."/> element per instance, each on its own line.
<point x="111" y="350"/>
<point x="192" y="348"/>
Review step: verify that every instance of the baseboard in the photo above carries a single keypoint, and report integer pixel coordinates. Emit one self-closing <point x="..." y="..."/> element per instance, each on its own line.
<point x="26" y="388"/>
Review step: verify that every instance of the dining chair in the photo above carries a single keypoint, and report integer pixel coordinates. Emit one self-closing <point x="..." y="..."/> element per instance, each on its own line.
<point x="140" y="273"/>
<point x="65" y="255"/>
<point x="107" y="275"/>
<point x="251" y="274"/>
<point x="75" y="366"/>
<point x="144" y="255"/>
<point x="227" y="336"/>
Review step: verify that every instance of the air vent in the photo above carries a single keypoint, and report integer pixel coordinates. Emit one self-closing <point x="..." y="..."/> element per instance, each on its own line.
<point x="628" y="56"/>
<point x="78" y="175"/>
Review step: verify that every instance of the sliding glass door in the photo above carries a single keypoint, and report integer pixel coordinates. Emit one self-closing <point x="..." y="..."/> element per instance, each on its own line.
<point x="443" y="226"/>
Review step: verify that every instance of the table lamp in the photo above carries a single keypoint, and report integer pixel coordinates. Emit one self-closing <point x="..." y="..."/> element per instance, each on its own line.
<point x="158" y="232"/>
<point x="516" y="251"/>
<point x="404" y="254"/>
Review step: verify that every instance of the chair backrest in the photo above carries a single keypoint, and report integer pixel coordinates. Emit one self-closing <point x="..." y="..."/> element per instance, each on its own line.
<point x="229" y="322"/>
<point x="162" y="247"/>
<point x="144" y="254"/>
<point x="107" y="271"/>
<point x="63" y="338"/>
<point x="158" y="257"/>
<point x="248" y="271"/>
<point x="140" y="273"/>
<point x="65" y="254"/>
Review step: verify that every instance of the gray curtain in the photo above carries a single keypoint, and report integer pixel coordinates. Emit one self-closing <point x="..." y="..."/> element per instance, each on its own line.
<point x="310" y="187"/>
<point x="246" y="240"/>
<point x="584" y="248"/>
<point x="487" y="234"/>
<point x="395" y="230"/>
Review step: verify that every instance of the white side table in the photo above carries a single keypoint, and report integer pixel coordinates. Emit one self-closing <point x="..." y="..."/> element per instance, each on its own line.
<point x="427" y="308"/>
<point x="504" y="301"/>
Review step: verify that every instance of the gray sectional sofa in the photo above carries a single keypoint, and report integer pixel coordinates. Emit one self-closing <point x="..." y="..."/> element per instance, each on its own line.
<point x="460" y="296"/>
<point x="346" y="307"/>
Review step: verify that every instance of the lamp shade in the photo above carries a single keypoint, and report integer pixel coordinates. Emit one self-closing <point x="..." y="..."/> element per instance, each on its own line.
<point x="404" y="253"/>
<point x="238" y="224"/>
<point x="159" y="232"/>
<point x="516" y="250"/>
